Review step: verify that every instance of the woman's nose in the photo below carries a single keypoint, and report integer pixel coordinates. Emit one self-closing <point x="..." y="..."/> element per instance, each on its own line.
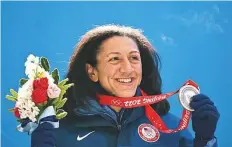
<point x="126" y="67"/>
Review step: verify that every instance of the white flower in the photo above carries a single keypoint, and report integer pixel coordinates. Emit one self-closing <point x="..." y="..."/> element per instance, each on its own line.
<point x="53" y="91"/>
<point x="30" y="70"/>
<point x="27" y="109"/>
<point x="50" y="78"/>
<point x="33" y="69"/>
<point x="40" y="69"/>
<point x="25" y="91"/>
<point x="32" y="66"/>
<point x="32" y="59"/>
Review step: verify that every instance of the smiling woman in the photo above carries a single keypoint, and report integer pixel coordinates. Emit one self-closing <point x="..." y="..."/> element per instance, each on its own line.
<point x="119" y="68"/>
<point x="119" y="62"/>
<point x="108" y="60"/>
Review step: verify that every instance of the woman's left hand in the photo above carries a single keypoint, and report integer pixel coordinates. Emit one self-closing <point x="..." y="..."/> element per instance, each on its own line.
<point x="204" y="117"/>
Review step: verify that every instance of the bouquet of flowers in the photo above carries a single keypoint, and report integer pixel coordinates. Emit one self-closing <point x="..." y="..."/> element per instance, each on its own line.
<point x="40" y="97"/>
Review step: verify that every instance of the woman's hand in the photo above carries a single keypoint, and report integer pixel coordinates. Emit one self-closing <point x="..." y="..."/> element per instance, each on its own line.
<point x="43" y="136"/>
<point x="204" y="117"/>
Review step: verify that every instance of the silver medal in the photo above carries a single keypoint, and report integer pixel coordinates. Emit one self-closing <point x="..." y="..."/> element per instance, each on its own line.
<point x="185" y="95"/>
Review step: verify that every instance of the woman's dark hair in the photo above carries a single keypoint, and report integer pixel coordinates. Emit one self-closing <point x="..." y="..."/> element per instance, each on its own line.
<point x="86" y="52"/>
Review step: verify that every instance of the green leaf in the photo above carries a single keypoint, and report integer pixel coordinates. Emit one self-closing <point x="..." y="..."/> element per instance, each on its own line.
<point x="45" y="103"/>
<point x="61" y="94"/>
<point x="62" y="82"/>
<point x="14" y="93"/>
<point x="45" y="63"/>
<point x="55" y="75"/>
<point x="55" y="100"/>
<point x="58" y="99"/>
<point x="65" y="87"/>
<point x="40" y="106"/>
<point x="22" y="81"/>
<point x="11" y="110"/>
<point x="59" y="111"/>
<point x="61" y="115"/>
<point x="61" y="103"/>
<point x="11" y="98"/>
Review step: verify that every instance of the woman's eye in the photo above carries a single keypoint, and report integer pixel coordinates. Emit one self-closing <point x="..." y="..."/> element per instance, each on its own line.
<point x="135" y="58"/>
<point x="114" y="59"/>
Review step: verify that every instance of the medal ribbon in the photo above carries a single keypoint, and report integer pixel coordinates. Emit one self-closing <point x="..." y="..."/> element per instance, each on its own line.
<point x="146" y="100"/>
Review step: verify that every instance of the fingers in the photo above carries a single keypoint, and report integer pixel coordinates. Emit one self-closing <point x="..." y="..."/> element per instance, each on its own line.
<point x="196" y="104"/>
<point x="206" y="111"/>
<point x="199" y="97"/>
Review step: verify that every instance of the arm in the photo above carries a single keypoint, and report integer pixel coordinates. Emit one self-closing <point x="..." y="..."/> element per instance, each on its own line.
<point x="43" y="136"/>
<point x="187" y="140"/>
<point x="204" y="121"/>
<point x="198" y="142"/>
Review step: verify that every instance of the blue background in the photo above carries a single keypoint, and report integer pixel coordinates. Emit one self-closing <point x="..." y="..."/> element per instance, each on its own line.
<point x="192" y="38"/>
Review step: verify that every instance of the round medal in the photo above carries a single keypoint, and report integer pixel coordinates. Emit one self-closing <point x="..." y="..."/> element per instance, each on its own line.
<point x="185" y="95"/>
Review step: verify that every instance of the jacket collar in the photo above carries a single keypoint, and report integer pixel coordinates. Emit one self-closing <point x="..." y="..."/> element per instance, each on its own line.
<point x="96" y="114"/>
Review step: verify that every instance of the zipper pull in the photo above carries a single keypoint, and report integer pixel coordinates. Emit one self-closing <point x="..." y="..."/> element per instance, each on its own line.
<point x="119" y="127"/>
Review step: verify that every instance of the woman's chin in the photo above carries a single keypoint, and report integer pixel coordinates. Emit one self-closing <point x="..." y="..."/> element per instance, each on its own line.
<point x="125" y="94"/>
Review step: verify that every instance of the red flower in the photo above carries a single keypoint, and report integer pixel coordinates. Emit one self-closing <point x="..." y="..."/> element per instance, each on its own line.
<point x="39" y="95"/>
<point x="41" y="83"/>
<point x="16" y="112"/>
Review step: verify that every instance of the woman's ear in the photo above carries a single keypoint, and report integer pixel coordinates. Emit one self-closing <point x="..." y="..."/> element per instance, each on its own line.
<point x="92" y="72"/>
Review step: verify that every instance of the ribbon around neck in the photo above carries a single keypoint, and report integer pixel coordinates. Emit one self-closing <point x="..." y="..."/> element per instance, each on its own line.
<point x="146" y="101"/>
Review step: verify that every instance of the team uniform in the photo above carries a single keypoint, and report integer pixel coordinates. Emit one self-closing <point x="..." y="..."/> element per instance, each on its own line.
<point x="101" y="126"/>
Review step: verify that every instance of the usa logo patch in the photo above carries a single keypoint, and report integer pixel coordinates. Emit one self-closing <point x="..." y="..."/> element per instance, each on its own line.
<point x="148" y="133"/>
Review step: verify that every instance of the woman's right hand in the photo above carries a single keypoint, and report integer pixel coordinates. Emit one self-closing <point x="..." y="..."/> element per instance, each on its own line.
<point x="43" y="136"/>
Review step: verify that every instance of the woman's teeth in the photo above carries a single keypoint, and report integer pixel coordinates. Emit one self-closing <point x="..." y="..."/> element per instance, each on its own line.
<point x="129" y="80"/>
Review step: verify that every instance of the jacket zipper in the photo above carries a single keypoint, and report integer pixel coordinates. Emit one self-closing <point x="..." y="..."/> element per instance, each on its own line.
<point x="120" y="121"/>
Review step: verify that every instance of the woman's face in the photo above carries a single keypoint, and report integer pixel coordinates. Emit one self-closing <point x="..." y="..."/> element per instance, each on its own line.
<point x="119" y="67"/>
